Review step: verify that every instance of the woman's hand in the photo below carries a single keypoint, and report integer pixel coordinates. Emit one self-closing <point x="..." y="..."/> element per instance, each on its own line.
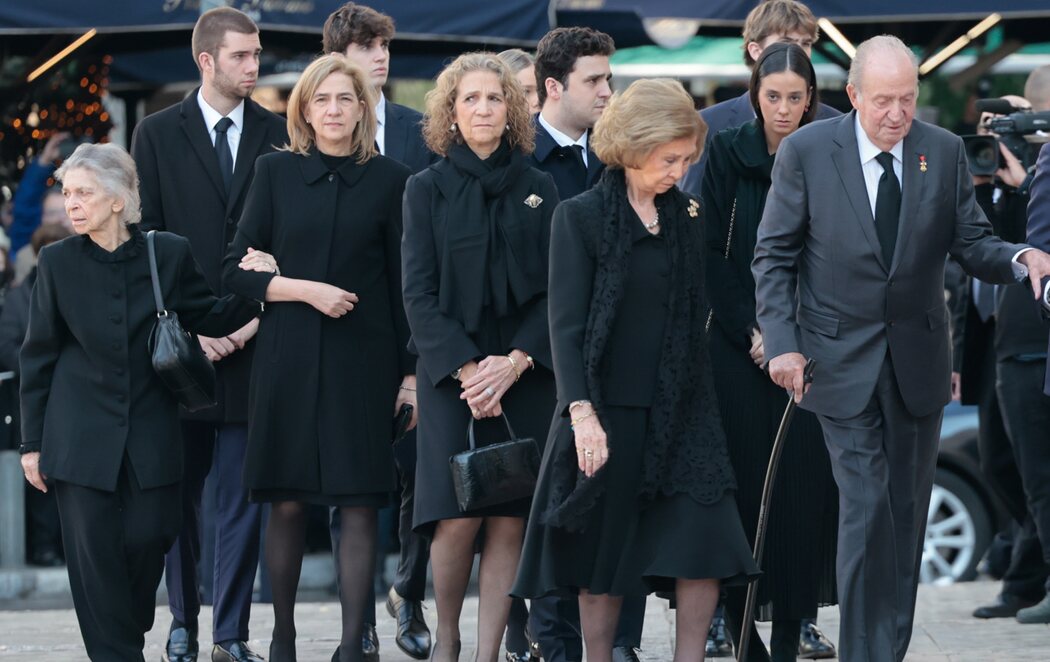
<point x="255" y="260"/>
<point x="484" y="389"/>
<point x="592" y="448"/>
<point x="31" y="468"/>
<point x="329" y="299"/>
<point x="406" y="394"/>
<point x="758" y="350"/>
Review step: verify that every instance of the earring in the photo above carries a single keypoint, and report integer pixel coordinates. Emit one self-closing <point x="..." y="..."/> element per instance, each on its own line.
<point x="452" y="129"/>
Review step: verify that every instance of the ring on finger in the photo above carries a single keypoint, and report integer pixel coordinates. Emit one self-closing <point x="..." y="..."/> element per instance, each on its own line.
<point x="489" y="392"/>
<point x="588" y="453"/>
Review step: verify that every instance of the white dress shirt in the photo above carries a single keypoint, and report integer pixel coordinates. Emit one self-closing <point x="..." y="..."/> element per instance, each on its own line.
<point x="381" y="123"/>
<point x="873" y="171"/>
<point x="564" y="140"/>
<point x="212" y="117"/>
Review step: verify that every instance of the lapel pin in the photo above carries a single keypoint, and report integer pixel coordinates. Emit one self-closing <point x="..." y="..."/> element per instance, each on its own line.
<point x="694" y="208"/>
<point x="922" y="163"/>
<point x="533" y="201"/>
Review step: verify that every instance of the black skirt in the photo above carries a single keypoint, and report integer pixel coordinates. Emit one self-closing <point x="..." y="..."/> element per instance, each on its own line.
<point x="624" y="549"/>
<point x="371" y="500"/>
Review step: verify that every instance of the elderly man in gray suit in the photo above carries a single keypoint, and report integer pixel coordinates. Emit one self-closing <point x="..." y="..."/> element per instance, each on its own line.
<point x="849" y="271"/>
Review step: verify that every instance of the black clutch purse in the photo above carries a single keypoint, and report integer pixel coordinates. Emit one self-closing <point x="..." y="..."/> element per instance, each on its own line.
<point x="177" y="357"/>
<point x="494" y="474"/>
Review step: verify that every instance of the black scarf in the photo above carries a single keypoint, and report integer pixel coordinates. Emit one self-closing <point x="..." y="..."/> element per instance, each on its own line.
<point x="483" y="270"/>
<point x="685" y="448"/>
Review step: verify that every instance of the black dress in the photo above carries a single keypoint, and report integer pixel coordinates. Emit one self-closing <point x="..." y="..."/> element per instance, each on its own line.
<point x="323" y="389"/>
<point x="799" y="559"/>
<point x="626" y="549"/>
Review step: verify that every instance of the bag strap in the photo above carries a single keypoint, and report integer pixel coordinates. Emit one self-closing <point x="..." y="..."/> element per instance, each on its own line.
<point x="470" y="431"/>
<point x="725" y="256"/>
<point x="158" y="298"/>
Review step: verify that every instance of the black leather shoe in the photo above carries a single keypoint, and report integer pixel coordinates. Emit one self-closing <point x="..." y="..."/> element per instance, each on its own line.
<point x="1005" y="606"/>
<point x="236" y="651"/>
<point x="369" y="644"/>
<point x="625" y="654"/>
<point x="1039" y="613"/>
<point x="181" y="646"/>
<point x="413" y="635"/>
<point x="718" y="644"/>
<point x="812" y="644"/>
<point x="511" y="656"/>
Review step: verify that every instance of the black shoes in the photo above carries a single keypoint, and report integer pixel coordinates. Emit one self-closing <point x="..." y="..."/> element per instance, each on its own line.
<point x="413" y="635"/>
<point x="812" y="644"/>
<point x="625" y="654"/>
<point x="369" y="644"/>
<point x="718" y="644"/>
<point x="181" y="645"/>
<point x="1039" y="613"/>
<point x="234" y="651"/>
<point x="1005" y="606"/>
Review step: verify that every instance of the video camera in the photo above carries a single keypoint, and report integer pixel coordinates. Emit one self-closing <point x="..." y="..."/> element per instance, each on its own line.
<point x="1019" y="129"/>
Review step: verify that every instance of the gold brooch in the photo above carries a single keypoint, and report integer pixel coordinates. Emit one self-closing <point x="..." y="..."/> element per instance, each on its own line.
<point x="534" y="201"/>
<point x="694" y="208"/>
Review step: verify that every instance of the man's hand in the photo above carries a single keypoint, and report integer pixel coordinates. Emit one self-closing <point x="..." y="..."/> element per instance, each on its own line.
<point x="956" y="386"/>
<point x="1014" y="173"/>
<point x="216" y="349"/>
<point x="31" y="468"/>
<point x="787" y="370"/>
<point x="758" y="350"/>
<point x="241" y="336"/>
<point x="50" y="153"/>
<point x="1038" y="264"/>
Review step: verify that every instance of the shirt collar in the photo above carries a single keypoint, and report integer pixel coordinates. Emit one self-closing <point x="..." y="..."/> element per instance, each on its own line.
<point x="560" y="138"/>
<point x="381" y="109"/>
<point x="868" y="150"/>
<point x="212" y="116"/>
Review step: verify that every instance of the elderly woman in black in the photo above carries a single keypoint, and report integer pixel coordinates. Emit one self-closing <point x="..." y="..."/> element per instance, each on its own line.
<point x="97" y="422"/>
<point x="635" y="493"/>
<point x="332" y="366"/>
<point x="475" y="251"/>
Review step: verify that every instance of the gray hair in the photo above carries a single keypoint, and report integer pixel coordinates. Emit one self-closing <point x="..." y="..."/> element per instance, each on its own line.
<point x="115" y="171"/>
<point x="1037" y="88"/>
<point x="884" y="44"/>
<point x="516" y="59"/>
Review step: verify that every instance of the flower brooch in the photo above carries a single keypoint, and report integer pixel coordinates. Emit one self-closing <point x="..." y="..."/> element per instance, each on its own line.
<point x="534" y="201"/>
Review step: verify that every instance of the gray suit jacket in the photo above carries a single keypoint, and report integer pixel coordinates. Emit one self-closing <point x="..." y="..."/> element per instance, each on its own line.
<point x="823" y="288"/>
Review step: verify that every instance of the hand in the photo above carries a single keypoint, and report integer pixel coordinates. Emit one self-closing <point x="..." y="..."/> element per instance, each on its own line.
<point x="787" y="370"/>
<point x="484" y="389"/>
<point x="255" y="260"/>
<point x="31" y="468"/>
<point x="1038" y="264"/>
<point x="50" y="153"/>
<point x="241" y="336"/>
<point x="956" y="386"/>
<point x="331" y="300"/>
<point x="592" y="448"/>
<point x="1014" y="173"/>
<point x="758" y="350"/>
<point x="406" y="394"/>
<point x="216" y="349"/>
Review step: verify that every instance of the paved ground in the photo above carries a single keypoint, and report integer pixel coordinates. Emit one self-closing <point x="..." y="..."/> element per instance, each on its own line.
<point x="944" y="631"/>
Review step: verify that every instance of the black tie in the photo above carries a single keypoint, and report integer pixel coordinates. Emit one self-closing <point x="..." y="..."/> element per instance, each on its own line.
<point x="887" y="206"/>
<point x="222" y="150"/>
<point x="577" y="154"/>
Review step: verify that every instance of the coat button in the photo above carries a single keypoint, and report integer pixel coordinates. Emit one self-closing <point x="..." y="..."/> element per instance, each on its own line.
<point x="892" y="323"/>
<point x="331" y="177"/>
<point x="230" y="221"/>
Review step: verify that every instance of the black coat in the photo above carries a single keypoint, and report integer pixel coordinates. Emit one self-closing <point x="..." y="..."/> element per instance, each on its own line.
<point x="182" y="192"/>
<point x="323" y="389"/>
<point x="89" y="392"/>
<point x="14" y="320"/>
<point x="561" y="164"/>
<point x="403" y="139"/>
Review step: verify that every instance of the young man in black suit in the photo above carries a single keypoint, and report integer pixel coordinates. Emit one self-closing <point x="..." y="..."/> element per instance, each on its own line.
<point x="363" y="35"/>
<point x="195" y="161"/>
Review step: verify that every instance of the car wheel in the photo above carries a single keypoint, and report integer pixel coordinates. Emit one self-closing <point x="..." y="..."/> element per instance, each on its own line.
<point x="958" y="530"/>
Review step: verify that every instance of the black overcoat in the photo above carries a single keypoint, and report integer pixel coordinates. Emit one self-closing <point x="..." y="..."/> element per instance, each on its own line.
<point x="182" y="192"/>
<point x="403" y="139"/>
<point x="89" y="392"/>
<point x="323" y="389"/>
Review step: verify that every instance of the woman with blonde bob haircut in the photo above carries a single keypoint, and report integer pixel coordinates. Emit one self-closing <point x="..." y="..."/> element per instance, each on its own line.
<point x="330" y="374"/>
<point x="477" y="236"/>
<point x="635" y="493"/>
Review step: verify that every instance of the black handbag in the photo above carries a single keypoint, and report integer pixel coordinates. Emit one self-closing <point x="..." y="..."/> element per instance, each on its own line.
<point x="177" y="357"/>
<point x="494" y="474"/>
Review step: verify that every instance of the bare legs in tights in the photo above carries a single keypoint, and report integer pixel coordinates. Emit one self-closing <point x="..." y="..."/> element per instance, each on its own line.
<point x="451" y="557"/>
<point x="285" y="541"/>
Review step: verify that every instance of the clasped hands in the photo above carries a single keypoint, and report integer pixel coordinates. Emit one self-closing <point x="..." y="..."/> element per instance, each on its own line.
<point x="217" y="349"/>
<point x="484" y="382"/>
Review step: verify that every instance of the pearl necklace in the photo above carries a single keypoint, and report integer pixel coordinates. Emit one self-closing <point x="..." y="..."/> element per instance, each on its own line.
<point x="655" y="224"/>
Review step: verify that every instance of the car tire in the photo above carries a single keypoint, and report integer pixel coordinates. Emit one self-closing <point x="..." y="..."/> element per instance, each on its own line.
<point x="958" y="531"/>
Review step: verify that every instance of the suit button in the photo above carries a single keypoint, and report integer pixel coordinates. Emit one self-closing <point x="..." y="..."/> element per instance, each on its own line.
<point x="892" y="323"/>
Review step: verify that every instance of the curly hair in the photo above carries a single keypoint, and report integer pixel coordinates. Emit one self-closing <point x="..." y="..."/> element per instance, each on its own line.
<point x="440" y="111"/>
<point x="355" y="24"/>
<point x="557" y="52"/>
<point x="650" y="113"/>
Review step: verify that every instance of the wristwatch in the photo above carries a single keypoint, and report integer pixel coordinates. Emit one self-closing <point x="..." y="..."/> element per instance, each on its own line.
<point x="455" y="374"/>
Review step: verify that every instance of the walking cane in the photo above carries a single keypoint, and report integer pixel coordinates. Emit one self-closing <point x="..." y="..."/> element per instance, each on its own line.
<point x="763" y="512"/>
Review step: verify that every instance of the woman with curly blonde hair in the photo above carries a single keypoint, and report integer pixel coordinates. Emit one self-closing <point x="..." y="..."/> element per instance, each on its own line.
<point x="474" y="256"/>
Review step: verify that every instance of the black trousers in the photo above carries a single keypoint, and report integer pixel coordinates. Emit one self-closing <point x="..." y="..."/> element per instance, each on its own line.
<point x="115" y="544"/>
<point x="1026" y="413"/>
<point x="42" y="525"/>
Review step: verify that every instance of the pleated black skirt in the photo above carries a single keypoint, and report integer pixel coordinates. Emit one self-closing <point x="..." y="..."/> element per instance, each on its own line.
<point x="625" y="549"/>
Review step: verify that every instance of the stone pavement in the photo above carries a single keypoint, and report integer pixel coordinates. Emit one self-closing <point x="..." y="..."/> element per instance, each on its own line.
<point x="944" y="631"/>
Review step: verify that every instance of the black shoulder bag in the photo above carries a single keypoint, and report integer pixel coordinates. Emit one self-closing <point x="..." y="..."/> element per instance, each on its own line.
<point x="494" y="474"/>
<point x="177" y="357"/>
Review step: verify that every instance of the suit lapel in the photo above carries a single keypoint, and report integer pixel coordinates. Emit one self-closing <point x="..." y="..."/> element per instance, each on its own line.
<point x="847" y="163"/>
<point x="197" y="134"/>
<point x="395" y="134"/>
<point x="912" y="185"/>
<point x="252" y="137"/>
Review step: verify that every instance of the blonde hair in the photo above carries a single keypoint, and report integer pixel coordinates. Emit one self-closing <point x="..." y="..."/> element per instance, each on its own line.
<point x="301" y="135"/>
<point x="650" y="113"/>
<point x="115" y="171"/>
<point x="441" y="104"/>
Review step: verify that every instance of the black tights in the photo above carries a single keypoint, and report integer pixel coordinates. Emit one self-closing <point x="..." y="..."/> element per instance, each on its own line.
<point x="285" y="542"/>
